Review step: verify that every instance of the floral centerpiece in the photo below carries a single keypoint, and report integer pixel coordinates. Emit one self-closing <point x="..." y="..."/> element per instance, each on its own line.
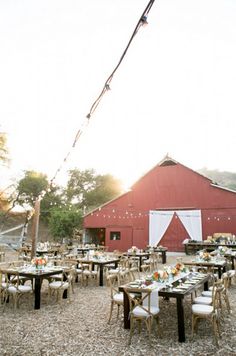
<point x="180" y="267"/>
<point x="222" y="250"/>
<point x="39" y="262"/>
<point x="96" y="254"/>
<point x="159" y="276"/>
<point x="206" y="256"/>
<point x="133" y="250"/>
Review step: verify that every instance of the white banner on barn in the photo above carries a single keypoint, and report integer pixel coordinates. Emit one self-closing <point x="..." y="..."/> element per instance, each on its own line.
<point x="159" y="220"/>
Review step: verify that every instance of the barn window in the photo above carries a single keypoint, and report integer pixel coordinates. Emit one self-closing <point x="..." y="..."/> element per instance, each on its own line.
<point x="115" y="235"/>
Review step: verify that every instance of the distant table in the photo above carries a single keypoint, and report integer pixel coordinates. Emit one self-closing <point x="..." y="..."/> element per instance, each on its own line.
<point x="231" y="256"/>
<point x="38" y="277"/>
<point x="220" y="265"/>
<point x="139" y="255"/>
<point x="166" y="293"/>
<point x="101" y="264"/>
<point x="163" y="251"/>
<point x="196" y="246"/>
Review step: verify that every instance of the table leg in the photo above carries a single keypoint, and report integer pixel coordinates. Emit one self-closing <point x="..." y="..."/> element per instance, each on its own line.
<point x="163" y="257"/>
<point x="140" y="263"/>
<point x="232" y="261"/>
<point x="180" y="316"/>
<point x="206" y="286"/>
<point x="37" y="292"/>
<point x="101" y="276"/>
<point x="126" y="311"/>
<point x="220" y="271"/>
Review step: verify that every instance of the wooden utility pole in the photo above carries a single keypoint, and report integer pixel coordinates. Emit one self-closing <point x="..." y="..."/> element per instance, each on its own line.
<point x="35" y="227"/>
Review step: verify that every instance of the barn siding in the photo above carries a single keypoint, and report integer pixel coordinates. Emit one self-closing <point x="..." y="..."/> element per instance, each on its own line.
<point x="166" y="187"/>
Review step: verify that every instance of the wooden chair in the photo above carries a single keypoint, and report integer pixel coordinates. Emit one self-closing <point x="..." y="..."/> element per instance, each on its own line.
<point x="13" y="288"/>
<point x="134" y="269"/>
<point x="145" y="308"/>
<point x="88" y="273"/>
<point x="58" y="287"/>
<point x="209" y="312"/>
<point x="117" y="298"/>
<point x="152" y="261"/>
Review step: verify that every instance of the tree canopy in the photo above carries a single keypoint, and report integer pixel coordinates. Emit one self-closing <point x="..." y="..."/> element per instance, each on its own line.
<point x="225" y="179"/>
<point x="64" y="222"/>
<point x="88" y="190"/>
<point x="4" y="158"/>
<point x="30" y="187"/>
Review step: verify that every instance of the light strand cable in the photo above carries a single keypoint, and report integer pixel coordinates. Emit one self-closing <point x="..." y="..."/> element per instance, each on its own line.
<point x="106" y="87"/>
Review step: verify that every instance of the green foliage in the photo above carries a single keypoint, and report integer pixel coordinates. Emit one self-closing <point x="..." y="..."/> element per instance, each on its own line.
<point x="224" y="179"/>
<point x="51" y="200"/>
<point x="86" y="189"/>
<point x="3" y="149"/>
<point x="64" y="221"/>
<point x="30" y="187"/>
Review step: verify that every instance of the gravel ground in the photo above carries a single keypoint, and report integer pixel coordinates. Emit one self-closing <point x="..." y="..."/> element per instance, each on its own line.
<point x="81" y="328"/>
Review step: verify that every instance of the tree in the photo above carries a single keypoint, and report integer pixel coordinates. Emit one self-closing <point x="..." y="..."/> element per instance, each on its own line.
<point x="52" y="199"/>
<point x="4" y="159"/>
<point x="86" y="189"/>
<point x="107" y="188"/>
<point x="63" y="222"/>
<point x="30" y="187"/>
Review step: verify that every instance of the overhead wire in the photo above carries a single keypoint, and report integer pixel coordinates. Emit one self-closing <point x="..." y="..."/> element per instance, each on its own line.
<point x="142" y="21"/>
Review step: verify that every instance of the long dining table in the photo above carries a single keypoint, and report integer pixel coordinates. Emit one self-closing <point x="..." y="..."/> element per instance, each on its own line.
<point x="170" y="292"/>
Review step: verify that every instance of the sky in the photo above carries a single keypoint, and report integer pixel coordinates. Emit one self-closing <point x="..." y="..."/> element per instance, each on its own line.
<point x="173" y="93"/>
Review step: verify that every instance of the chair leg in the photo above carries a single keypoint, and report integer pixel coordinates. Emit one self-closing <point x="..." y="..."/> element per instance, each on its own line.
<point x="214" y="324"/>
<point x="131" y="330"/>
<point x="110" y="312"/>
<point x="118" y="311"/>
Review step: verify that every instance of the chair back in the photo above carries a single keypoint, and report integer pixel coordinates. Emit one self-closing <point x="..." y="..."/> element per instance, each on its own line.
<point x="218" y="288"/>
<point x="147" y="301"/>
<point x="112" y="281"/>
<point x="152" y="299"/>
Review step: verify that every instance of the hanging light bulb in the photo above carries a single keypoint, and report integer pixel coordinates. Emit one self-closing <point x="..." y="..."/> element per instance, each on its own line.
<point x="144" y="20"/>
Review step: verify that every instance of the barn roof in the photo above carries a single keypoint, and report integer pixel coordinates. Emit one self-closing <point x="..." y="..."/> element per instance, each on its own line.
<point x="166" y="161"/>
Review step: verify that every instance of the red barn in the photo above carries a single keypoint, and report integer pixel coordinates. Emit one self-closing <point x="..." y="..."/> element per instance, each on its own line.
<point x="167" y="205"/>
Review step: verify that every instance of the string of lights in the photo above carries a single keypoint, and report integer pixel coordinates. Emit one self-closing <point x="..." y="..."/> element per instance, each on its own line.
<point x="114" y="213"/>
<point x="141" y="22"/>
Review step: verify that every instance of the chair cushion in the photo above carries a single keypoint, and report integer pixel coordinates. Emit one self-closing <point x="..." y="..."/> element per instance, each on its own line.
<point x="59" y="284"/>
<point x="21" y="289"/>
<point x="118" y="297"/>
<point x="203" y="300"/>
<point x="202" y="309"/>
<point x="207" y="293"/>
<point x="232" y="273"/>
<point x="138" y="311"/>
<point x="57" y="276"/>
<point x="113" y="271"/>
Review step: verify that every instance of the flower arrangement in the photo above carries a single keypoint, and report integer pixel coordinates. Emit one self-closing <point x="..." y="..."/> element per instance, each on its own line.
<point x="160" y="275"/>
<point x="133" y="249"/>
<point x="96" y="254"/>
<point x="39" y="262"/>
<point x="222" y="250"/>
<point x="180" y="267"/>
<point x="206" y="256"/>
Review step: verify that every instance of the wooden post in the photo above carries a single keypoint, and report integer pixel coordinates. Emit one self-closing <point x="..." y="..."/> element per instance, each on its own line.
<point x="35" y="227"/>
